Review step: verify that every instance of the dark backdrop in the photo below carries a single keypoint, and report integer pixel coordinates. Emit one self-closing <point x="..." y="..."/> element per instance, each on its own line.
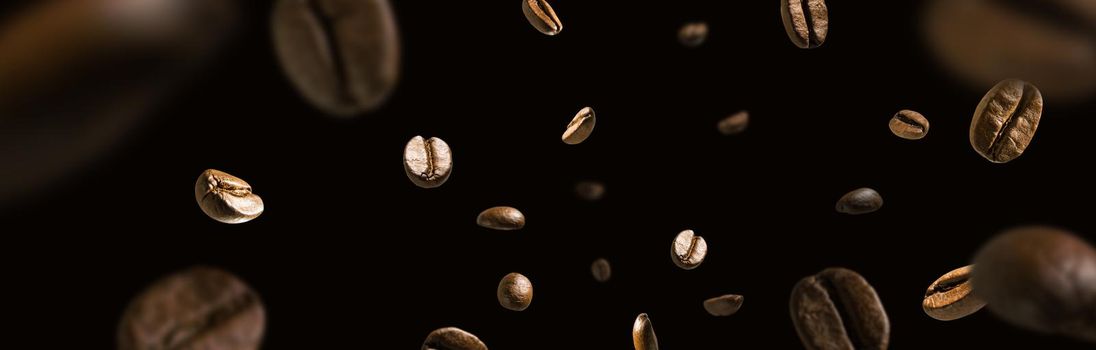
<point x="350" y="254"/>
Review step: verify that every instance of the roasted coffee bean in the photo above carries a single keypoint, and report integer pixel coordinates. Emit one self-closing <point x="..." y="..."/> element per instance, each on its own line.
<point x="734" y="124"/>
<point x="688" y="250"/>
<point x="541" y="15"/>
<point x="343" y="56"/>
<point x="950" y="297"/>
<point x="643" y="334"/>
<point x="1041" y="279"/>
<point x="590" y="190"/>
<point x="452" y="338"/>
<point x="725" y="305"/>
<point x="226" y="198"/>
<point x="198" y="308"/>
<point x="693" y="34"/>
<point x="427" y="162"/>
<point x="859" y="201"/>
<point x="601" y="270"/>
<point x="838" y="309"/>
<point x="806" y="21"/>
<point x="909" y="125"/>
<point x="1005" y="120"/>
<point x="580" y="127"/>
<point x="515" y="292"/>
<point x="501" y="218"/>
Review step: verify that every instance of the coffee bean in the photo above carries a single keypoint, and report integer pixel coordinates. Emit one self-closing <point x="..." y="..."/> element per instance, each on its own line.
<point x="501" y="218"/>
<point x="643" y="334"/>
<point x="805" y="21"/>
<point x="1005" y="120"/>
<point x="198" y="308"/>
<point x="909" y="125"/>
<point x="541" y="16"/>
<point x="515" y="292"/>
<point x="734" y="124"/>
<point x="343" y="56"/>
<point x="859" y="201"/>
<point x="580" y="127"/>
<point x="601" y="270"/>
<point x="427" y="162"/>
<point x="590" y="190"/>
<point x="838" y="309"/>
<point x="725" y="305"/>
<point x="950" y="297"/>
<point x="1041" y="279"/>
<point x="693" y="34"/>
<point x="688" y="250"/>
<point x="226" y="198"/>
<point x="452" y="338"/>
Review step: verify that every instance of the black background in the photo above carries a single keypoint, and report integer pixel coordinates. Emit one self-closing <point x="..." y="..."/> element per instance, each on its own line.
<point x="350" y="254"/>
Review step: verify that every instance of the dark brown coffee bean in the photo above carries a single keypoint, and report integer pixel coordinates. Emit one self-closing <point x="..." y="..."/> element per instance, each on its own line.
<point x="1039" y="278"/>
<point x="693" y="34"/>
<point x="343" y="56"/>
<point x="643" y="334"/>
<point x="725" y="305"/>
<point x="688" y="250"/>
<point x="580" y="127"/>
<point x="859" y="201"/>
<point x="601" y="270"/>
<point x="515" y="292"/>
<point x="909" y="125"/>
<point x="501" y="218"/>
<point x="1005" y="120"/>
<point x="950" y="297"/>
<point x="838" y="309"/>
<point x="734" y="124"/>
<point x="427" y="162"/>
<point x="806" y="21"/>
<point x="452" y="338"/>
<point x="199" y="308"/>
<point x="226" y="198"/>
<point x="590" y="190"/>
<point x="541" y="15"/>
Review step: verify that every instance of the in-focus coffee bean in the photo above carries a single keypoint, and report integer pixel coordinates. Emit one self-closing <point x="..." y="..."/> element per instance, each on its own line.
<point x="692" y="34"/>
<point x="501" y="218"/>
<point x="909" y="125"/>
<point x="343" y="56"/>
<point x="515" y="292"/>
<point x="806" y="21"/>
<point x="688" y="250"/>
<point x="724" y="305"/>
<point x="601" y="270"/>
<point x="198" y="308"/>
<point x="859" y="201"/>
<point x="838" y="309"/>
<point x="734" y="124"/>
<point x="580" y="127"/>
<point x="950" y="297"/>
<point x="226" y="198"/>
<point x="427" y="162"/>
<point x="1005" y="120"/>
<point x="643" y="334"/>
<point x="452" y="338"/>
<point x="590" y="190"/>
<point x="541" y="15"/>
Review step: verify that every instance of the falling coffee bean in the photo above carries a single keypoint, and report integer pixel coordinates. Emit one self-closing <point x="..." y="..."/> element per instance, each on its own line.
<point x="909" y="125"/>
<point x="950" y="297"/>
<point x="580" y="127"/>
<point x="501" y="218"/>
<point x="806" y="21"/>
<point x="452" y="338"/>
<point x="590" y="190"/>
<point x="643" y="334"/>
<point x="427" y="162"/>
<point x="226" y="198"/>
<point x="734" y="124"/>
<point x="343" y="56"/>
<point x="693" y="34"/>
<point x="601" y="270"/>
<point x="541" y="16"/>
<point x="859" y="201"/>
<point x="515" y="292"/>
<point x="725" y="305"/>
<point x="1005" y="120"/>
<point x="688" y="250"/>
<point x="838" y="309"/>
<point x="198" y="308"/>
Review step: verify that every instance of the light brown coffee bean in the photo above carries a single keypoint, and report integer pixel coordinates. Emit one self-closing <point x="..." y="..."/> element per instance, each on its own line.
<point x="452" y="338"/>
<point x="693" y="34"/>
<point x="688" y="250"/>
<point x="1005" y="120"/>
<point x="515" y="292"/>
<point x="950" y="297"/>
<point x="226" y="198"/>
<point x="601" y="270"/>
<point x="501" y="218"/>
<point x="734" y="124"/>
<point x="859" y="201"/>
<point x="427" y="162"/>
<point x="725" y="305"/>
<point x="806" y="21"/>
<point x="838" y="309"/>
<point x="541" y="15"/>
<point x="643" y="334"/>
<point x="580" y="127"/>
<point x="909" y="125"/>
<point x="590" y="190"/>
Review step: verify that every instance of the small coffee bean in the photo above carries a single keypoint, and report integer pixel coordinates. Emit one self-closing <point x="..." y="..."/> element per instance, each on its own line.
<point x="643" y="334"/>
<point x="590" y="190"/>
<point x="452" y="338"/>
<point x="427" y="162"/>
<point x="734" y="124"/>
<point x="226" y="198"/>
<point x="688" y="250"/>
<point x="838" y="309"/>
<point x="693" y="34"/>
<point x="515" y="292"/>
<point x="601" y="270"/>
<point x="501" y="218"/>
<point x="725" y="305"/>
<point x="859" y="201"/>
<point x="950" y="297"/>
<point x="198" y="308"/>
<point x="806" y="21"/>
<point x="580" y="127"/>
<point x="1005" y="120"/>
<point x="909" y="125"/>
<point x="541" y="16"/>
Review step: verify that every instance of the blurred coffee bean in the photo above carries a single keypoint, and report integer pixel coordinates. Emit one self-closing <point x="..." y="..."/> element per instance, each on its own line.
<point x="950" y="297"/>
<point x="1005" y="120"/>
<point x="580" y="127"/>
<point x="806" y="21"/>
<point x="601" y="270"/>
<point x="838" y="309"/>
<point x="692" y="34"/>
<point x="859" y="201"/>
<point x="452" y="338"/>
<point x="724" y="305"/>
<point x="909" y="125"/>
<point x="688" y="250"/>
<point x="226" y="198"/>
<point x="501" y="218"/>
<point x="643" y="334"/>
<point x="515" y="292"/>
<point x="734" y="124"/>
<point x="427" y="162"/>
<point x="541" y="15"/>
<point x="199" y="308"/>
<point x="590" y="190"/>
